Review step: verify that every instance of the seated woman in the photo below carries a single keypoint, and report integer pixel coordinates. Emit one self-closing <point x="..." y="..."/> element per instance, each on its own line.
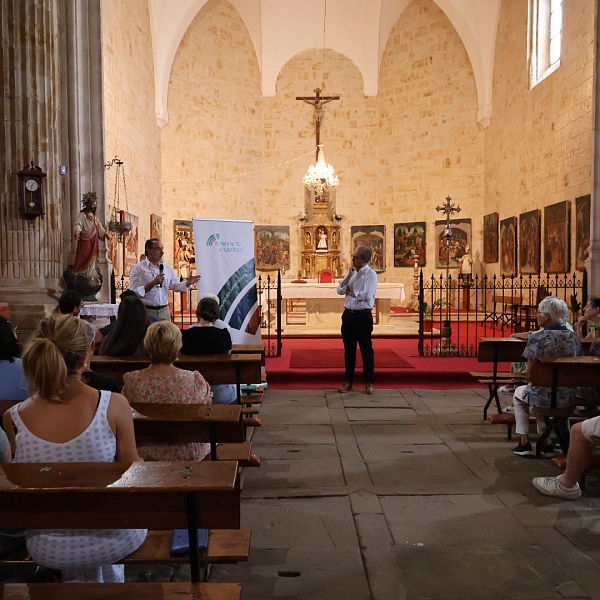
<point x="95" y="380"/>
<point x="163" y="382"/>
<point x="205" y="338"/>
<point x="12" y="383"/>
<point x="68" y="421"/>
<point x="127" y="336"/>
<point x="587" y="326"/>
<point x="554" y="339"/>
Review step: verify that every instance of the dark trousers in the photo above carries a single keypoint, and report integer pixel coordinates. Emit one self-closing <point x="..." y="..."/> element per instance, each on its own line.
<point x="357" y="328"/>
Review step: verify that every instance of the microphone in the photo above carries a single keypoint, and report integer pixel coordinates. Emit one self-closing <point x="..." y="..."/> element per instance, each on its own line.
<point x="161" y="268"/>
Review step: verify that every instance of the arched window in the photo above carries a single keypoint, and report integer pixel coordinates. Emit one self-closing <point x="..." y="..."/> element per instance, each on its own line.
<point x="545" y="37"/>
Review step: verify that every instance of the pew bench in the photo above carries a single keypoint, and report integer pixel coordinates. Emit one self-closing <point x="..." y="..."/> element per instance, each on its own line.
<point x="215" y="368"/>
<point x="120" y="591"/>
<point x="152" y="495"/>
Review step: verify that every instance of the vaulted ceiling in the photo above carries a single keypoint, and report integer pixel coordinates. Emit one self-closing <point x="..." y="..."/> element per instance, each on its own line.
<point x="359" y="29"/>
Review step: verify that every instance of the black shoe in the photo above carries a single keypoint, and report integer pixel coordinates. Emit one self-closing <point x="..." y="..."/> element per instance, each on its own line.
<point x="346" y="387"/>
<point x="523" y="449"/>
<point x="547" y="451"/>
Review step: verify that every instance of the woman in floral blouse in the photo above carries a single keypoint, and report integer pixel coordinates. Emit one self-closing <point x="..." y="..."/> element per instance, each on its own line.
<point x="163" y="382"/>
<point x="554" y="339"/>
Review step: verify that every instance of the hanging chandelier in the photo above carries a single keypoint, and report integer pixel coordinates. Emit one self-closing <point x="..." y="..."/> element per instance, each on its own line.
<point x="320" y="177"/>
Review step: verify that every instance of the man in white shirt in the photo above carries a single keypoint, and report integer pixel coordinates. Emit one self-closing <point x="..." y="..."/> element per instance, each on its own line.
<point x="359" y="286"/>
<point x="151" y="279"/>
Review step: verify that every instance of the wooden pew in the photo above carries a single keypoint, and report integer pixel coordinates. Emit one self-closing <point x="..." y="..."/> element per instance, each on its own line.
<point x="569" y="372"/>
<point x="153" y="495"/>
<point x="119" y="591"/>
<point x="219" y="425"/>
<point x="215" y="368"/>
<point x="497" y="350"/>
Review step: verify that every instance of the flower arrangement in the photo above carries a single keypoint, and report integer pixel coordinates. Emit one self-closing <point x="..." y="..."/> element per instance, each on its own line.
<point x="302" y="217"/>
<point x="337" y="217"/>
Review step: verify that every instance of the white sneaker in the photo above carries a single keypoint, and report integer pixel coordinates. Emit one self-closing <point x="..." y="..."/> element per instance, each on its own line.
<point x="506" y="389"/>
<point x="509" y="409"/>
<point x="551" y="486"/>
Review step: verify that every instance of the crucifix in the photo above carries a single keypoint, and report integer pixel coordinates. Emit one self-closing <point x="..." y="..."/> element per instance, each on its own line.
<point x="318" y="101"/>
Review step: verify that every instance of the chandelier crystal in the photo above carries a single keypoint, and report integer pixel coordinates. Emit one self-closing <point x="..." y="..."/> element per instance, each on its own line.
<point x="320" y="178"/>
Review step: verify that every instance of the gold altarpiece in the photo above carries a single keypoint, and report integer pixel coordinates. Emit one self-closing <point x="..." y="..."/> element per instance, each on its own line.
<point x="320" y="237"/>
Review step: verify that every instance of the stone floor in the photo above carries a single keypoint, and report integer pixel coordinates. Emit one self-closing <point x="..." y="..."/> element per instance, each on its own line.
<point x="406" y="494"/>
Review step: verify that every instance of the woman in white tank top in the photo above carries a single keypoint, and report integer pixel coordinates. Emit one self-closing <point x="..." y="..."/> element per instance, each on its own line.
<point x="67" y="421"/>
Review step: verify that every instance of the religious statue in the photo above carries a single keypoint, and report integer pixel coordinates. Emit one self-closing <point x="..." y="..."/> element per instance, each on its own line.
<point x="322" y="244"/>
<point x="466" y="265"/>
<point x="308" y="238"/>
<point x="83" y="276"/>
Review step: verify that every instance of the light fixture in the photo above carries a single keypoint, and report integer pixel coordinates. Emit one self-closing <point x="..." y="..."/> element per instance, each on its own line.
<point x="320" y="177"/>
<point x="117" y="222"/>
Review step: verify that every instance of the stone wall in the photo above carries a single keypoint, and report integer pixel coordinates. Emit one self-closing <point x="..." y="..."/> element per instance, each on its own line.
<point x="213" y="134"/>
<point x="131" y="131"/>
<point x="538" y="147"/>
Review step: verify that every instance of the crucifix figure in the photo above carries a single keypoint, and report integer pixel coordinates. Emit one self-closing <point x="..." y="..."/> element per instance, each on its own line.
<point x="318" y="101"/>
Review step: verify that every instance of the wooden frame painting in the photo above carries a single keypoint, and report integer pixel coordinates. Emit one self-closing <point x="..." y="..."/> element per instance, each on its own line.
<point x="409" y="244"/>
<point x="156" y="228"/>
<point x="131" y="243"/>
<point x="461" y="238"/>
<point x="582" y="230"/>
<point x="557" y="237"/>
<point x="490" y="238"/>
<point x="184" y="255"/>
<point x="529" y="241"/>
<point x="508" y="246"/>
<point x="272" y="247"/>
<point x="373" y="237"/>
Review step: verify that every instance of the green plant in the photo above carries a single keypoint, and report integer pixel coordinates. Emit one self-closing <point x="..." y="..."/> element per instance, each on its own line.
<point x="428" y="309"/>
<point x="575" y="306"/>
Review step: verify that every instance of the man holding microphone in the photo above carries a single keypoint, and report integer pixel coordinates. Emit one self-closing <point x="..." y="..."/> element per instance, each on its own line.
<point x="359" y="286"/>
<point x="151" y="279"/>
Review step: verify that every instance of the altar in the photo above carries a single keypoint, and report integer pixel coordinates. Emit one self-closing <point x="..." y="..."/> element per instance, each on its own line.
<point x="319" y="306"/>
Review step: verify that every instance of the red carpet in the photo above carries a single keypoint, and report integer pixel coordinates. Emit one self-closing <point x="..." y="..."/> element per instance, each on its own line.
<point x="334" y="359"/>
<point x="428" y="372"/>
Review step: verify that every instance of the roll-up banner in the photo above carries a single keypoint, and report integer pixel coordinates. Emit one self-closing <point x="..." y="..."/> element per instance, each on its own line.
<point x="225" y="260"/>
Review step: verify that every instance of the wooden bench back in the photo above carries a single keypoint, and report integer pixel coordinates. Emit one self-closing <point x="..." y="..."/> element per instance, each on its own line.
<point x="250" y="349"/>
<point x="153" y="495"/>
<point x="501" y="350"/>
<point x="579" y="371"/>
<point x="215" y="368"/>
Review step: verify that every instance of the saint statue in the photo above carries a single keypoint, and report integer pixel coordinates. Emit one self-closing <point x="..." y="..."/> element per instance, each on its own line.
<point x="466" y="265"/>
<point x="88" y="232"/>
<point x="322" y="244"/>
<point x="83" y="276"/>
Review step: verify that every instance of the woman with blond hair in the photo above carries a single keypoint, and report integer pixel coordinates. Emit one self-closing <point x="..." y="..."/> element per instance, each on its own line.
<point x="65" y="420"/>
<point x="164" y="382"/>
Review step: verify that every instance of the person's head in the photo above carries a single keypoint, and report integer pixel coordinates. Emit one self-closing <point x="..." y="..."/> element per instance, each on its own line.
<point x="154" y="251"/>
<point x="90" y="334"/>
<point x="70" y="303"/>
<point x="213" y="296"/>
<point x="57" y="350"/>
<point x="127" y="335"/>
<point x="552" y="311"/>
<point x="128" y="293"/>
<point x="163" y="342"/>
<point x="361" y="257"/>
<point x="591" y="311"/>
<point x="208" y="310"/>
<point x="89" y="203"/>
<point x="9" y="346"/>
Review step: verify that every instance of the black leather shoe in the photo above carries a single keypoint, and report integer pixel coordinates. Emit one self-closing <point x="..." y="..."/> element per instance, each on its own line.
<point x="346" y="387"/>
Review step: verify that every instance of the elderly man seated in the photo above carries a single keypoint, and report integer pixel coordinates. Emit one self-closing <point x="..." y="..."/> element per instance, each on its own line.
<point x="554" y="339"/>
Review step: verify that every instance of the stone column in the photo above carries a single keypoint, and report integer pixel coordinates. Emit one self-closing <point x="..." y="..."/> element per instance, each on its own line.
<point x="31" y="250"/>
<point x="592" y="264"/>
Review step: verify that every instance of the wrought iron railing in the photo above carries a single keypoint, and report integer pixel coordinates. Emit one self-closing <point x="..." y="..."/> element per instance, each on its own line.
<point x="455" y="313"/>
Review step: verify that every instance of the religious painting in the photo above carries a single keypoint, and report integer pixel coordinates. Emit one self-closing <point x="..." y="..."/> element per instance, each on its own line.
<point x="184" y="256"/>
<point x="409" y="244"/>
<point x="508" y="246"/>
<point x="131" y="243"/>
<point x="490" y="238"/>
<point x="373" y="237"/>
<point x="557" y="237"/>
<point x="582" y="230"/>
<point x="450" y="255"/>
<point x="272" y="247"/>
<point x="155" y="226"/>
<point x="529" y="242"/>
